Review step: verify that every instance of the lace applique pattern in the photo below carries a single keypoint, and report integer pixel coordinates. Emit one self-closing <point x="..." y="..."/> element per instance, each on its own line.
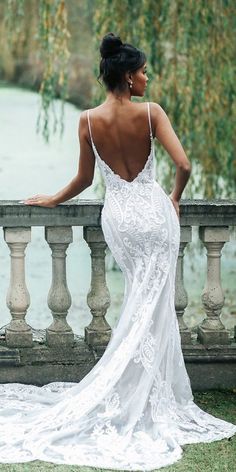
<point x="135" y="408"/>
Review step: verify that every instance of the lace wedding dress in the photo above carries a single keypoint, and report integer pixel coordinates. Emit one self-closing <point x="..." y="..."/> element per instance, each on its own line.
<point x="135" y="408"/>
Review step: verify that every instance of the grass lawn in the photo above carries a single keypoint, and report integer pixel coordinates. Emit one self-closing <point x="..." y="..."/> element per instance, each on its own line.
<point x="219" y="456"/>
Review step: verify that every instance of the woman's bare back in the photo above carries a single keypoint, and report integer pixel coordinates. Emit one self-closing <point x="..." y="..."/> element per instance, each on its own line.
<point x="121" y="135"/>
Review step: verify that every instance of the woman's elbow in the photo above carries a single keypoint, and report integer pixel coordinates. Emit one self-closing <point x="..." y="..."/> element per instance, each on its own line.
<point x="84" y="181"/>
<point x="186" y="167"/>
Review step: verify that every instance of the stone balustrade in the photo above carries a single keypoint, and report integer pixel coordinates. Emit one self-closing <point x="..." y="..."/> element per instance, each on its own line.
<point x="210" y="356"/>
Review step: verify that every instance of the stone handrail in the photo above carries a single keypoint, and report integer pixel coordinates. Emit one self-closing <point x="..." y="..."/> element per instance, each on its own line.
<point x="193" y="212"/>
<point x="213" y="343"/>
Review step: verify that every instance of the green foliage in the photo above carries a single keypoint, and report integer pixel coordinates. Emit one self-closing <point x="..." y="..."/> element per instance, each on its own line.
<point x="191" y="67"/>
<point x="13" y="19"/>
<point x="191" y="64"/>
<point x="52" y="38"/>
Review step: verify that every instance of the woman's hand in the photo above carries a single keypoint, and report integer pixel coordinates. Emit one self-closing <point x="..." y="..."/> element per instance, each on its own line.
<point x="41" y="200"/>
<point x="175" y="203"/>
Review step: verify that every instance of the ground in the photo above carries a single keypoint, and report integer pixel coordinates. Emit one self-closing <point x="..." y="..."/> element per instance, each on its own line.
<point x="218" y="456"/>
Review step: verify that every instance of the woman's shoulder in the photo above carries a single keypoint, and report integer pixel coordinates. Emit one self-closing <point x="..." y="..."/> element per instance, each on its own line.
<point x="94" y="110"/>
<point x="157" y="112"/>
<point x="83" y="117"/>
<point x="155" y="108"/>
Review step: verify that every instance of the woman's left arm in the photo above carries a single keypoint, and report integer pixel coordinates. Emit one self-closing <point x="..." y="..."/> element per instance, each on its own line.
<point x="81" y="181"/>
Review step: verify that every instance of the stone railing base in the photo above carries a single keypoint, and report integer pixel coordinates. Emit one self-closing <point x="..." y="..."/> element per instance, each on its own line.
<point x="209" y="367"/>
<point x="40" y="364"/>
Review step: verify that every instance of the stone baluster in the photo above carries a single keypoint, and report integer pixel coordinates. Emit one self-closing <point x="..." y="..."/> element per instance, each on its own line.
<point x="212" y="330"/>
<point x="59" y="298"/>
<point x="98" y="332"/>
<point x="18" y="333"/>
<point x="181" y="296"/>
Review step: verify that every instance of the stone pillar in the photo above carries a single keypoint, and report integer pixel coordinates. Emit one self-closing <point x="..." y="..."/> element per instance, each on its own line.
<point x="59" y="298"/>
<point x="18" y="333"/>
<point x="181" y="296"/>
<point x="98" y="332"/>
<point x="212" y="330"/>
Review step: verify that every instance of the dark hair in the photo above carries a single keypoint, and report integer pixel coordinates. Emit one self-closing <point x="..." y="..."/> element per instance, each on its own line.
<point x="117" y="58"/>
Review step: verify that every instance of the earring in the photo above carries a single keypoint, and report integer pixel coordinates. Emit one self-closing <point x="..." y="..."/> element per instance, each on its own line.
<point x="130" y="84"/>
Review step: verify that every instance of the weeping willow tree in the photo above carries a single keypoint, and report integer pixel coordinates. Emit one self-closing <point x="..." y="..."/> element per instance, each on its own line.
<point x="191" y="65"/>
<point x="52" y="40"/>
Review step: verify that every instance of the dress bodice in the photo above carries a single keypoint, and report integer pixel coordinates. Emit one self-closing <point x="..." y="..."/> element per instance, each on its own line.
<point x="114" y="180"/>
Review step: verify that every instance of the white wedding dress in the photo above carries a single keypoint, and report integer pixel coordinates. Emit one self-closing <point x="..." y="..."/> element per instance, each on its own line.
<point x="135" y="408"/>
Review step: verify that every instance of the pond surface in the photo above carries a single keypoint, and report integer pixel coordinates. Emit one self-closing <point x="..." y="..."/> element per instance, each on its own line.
<point x="29" y="166"/>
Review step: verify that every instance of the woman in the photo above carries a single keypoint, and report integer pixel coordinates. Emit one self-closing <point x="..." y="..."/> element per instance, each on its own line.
<point x="135" y="408"/>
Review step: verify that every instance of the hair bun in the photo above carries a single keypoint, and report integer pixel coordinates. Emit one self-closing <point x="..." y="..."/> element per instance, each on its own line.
<point x="110" y="45"/>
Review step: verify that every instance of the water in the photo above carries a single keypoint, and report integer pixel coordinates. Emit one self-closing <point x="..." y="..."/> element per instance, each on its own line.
<point x="29" y="166"/>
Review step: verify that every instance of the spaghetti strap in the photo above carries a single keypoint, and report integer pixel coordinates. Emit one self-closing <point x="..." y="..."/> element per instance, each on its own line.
<point x="89" y="126"/>
<point x="149" y="120"/>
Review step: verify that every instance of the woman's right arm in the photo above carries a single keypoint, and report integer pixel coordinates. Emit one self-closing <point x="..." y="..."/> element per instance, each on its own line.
<point x="169" y="140"/>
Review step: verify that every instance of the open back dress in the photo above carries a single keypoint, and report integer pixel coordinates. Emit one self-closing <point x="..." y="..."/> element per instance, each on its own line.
<point x="134" y="409"/>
